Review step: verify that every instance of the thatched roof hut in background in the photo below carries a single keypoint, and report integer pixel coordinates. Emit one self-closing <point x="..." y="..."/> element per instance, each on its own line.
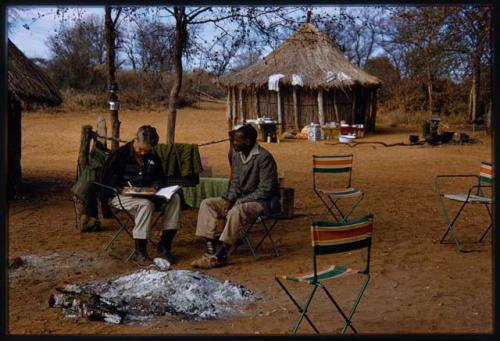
<point x="318" y="85"/>
<point x="29" y="84"/>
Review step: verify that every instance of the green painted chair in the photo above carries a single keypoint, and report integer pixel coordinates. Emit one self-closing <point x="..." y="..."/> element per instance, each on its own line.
<point x="341" y="167"/>
<point x="476" y="194"/>
<point x="328" y="238"/>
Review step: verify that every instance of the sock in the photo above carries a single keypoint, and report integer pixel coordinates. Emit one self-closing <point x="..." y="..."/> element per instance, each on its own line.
<point x="210" y="246"/>
<point x="222" y="253"/>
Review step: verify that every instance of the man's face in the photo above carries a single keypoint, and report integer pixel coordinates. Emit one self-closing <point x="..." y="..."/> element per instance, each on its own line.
<point x="141" y="148"/>
<point x="240" y="142"/>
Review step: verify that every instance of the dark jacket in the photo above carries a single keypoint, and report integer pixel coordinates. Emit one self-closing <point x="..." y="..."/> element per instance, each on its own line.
<point x="121" y="168"/>
<point x="255" y="180"/>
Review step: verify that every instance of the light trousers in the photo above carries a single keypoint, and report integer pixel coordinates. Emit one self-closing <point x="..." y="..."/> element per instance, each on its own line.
<point x="142" y="210"/>
<point x="239" y="216"/>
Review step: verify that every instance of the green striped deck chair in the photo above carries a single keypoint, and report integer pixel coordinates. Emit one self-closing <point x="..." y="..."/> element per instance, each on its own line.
<point x="328" y="238"/>
<point x="476" y="194"/>
<point x="339" y="166"/>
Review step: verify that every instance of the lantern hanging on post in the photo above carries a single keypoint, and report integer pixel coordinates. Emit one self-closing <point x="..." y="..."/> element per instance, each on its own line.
<point x="113" y="97"/>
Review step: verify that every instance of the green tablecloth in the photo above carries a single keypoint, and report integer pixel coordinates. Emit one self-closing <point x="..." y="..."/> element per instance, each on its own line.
<point x="207" y="188"/>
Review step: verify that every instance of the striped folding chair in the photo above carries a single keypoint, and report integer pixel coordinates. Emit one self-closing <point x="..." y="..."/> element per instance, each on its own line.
<point x="328" y="238"/>
<point x="475" y="195"/>
<point x="336" y="165"/>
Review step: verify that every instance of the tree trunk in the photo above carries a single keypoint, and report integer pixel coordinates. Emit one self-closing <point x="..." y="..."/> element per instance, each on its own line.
<point x="179" y="43"/>
<point x="110" y="63"/>
<point x="429" y="93"/>
<point x="14" y="173"/>
<point x="295" y="109"/>
<point x="102" y="130"/>
<point x="476" y="80"/>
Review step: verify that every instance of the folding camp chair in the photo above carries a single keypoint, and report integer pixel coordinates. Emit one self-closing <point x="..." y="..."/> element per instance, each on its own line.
<point x="123" y="224"/>
<point x="475" y="195"/>
<point x="334" y="237"/>
<point x="272" y="220"/>
<point x="336" y="164"/>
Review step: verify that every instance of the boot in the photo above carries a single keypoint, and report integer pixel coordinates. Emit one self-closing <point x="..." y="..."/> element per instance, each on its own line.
<point x="140" y="254"/>
<point x="165" y="245"/>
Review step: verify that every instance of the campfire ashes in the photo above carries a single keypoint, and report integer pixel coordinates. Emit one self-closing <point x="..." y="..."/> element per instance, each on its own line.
<point x="148" y="293"/>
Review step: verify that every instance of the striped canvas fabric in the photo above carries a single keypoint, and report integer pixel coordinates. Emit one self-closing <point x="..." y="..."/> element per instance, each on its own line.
<point x="486" y="172"/>
<point x="332" y="164"/>
<point x="342" y="193"/>
<point x="331" y="237"/>
<point x="334" y="271"/>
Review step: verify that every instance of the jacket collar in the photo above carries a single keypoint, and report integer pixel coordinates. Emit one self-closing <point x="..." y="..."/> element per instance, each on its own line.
<point x="254" y="151"/>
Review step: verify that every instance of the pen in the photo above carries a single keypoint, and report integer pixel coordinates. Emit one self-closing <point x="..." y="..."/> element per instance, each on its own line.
<point x="129" y="184"/>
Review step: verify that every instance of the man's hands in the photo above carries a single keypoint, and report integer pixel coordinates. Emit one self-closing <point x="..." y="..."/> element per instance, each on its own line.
<point x="226" y="206"/>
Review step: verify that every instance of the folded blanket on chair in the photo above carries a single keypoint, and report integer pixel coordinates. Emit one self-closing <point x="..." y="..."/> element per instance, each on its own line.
<point x="189" y="158"/>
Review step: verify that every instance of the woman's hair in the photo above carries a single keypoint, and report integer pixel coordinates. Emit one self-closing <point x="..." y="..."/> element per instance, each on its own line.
<point x="147" y="134"/>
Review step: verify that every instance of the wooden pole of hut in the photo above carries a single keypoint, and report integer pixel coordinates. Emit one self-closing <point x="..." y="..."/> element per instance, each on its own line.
<point x="229" y="113"/>
<point x="295" y="108"/>
<point x="335" y="108"/>
<point x="280" y="114"/>
<point x="374" y="110"/>
<point x="257" y="110"/>
<point x="242" y="115"/>
<point x="353" y="109"/>
<point x="321" y="112"/>
<point x="233" y="101"/>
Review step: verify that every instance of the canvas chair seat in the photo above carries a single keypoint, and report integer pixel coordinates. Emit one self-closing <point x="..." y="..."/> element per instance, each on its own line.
<point x="483" y="185"/>
<point x="334" y="271"/>
<point x="350" y="192"/>
<point x="472" y="198"/>
<point x="332" y="238"/>
<point x="336" y="172"/>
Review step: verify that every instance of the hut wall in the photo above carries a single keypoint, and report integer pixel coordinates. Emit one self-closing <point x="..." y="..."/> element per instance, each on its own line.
<point x="14" y="149"/>
<point x="307" y="103"/>
<point x="308" y="106"/>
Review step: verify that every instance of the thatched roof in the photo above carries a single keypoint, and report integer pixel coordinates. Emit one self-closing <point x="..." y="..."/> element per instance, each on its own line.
<point x="27" y="81"/>
<point x="309" y="54"/>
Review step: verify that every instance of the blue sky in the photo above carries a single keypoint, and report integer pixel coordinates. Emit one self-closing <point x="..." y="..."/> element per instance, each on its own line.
<point x="33" y="41"/>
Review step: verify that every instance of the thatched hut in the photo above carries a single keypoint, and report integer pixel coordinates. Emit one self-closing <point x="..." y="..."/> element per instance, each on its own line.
<point x="316" y="84"/>
<point x="28" y="84"/>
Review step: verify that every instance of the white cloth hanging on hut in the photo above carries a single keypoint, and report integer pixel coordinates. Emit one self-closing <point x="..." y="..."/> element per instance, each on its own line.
<point x="297" y="80"/>
<point x="274" y="81"/>
<point x="341" y="76"/>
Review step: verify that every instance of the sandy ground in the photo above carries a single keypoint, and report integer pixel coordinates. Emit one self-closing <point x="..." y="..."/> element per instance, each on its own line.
<point x="417" y="284"/>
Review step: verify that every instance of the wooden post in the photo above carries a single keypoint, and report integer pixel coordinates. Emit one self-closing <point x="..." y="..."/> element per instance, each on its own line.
<point x="242" y="114"/>
<point x="335" y="108"/>
<point x="374" y="110"/>
<point x="257" y="110"/>
<point x="295" y="109"/>
<point x="353" y="109"/>
<point x="321" y="113"/>
<point x="369" y="108"/>
<point x="280" y="114"/>
<point x="229" y="114"/>
<point x="235" y="112"/>
<point x="84" y="148"/>
<point x="102" y="130"/>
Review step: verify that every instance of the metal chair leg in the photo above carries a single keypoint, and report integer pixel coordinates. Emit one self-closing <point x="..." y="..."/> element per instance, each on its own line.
<point x="347" y="320"/>
<point x="297" y="305"/>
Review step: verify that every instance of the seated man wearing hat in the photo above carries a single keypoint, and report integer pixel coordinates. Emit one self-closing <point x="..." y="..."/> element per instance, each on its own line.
<point x="135" y="164"/>
<point x="253" y="190"/>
